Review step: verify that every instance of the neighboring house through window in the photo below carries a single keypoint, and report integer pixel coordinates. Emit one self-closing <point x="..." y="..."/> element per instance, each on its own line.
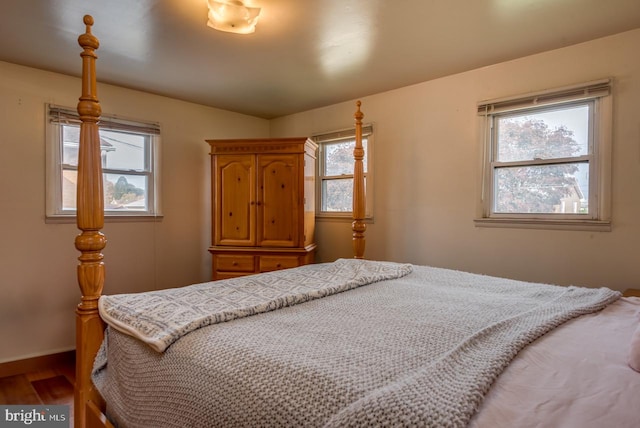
<point x="335" y="172"/>
<point x="547" y="158"/>
<point x="129" y="151"/>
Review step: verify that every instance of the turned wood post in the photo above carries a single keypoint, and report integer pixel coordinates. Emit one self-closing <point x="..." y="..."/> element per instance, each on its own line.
<point x="358" y="226"/>
<point x="90" y="219"/>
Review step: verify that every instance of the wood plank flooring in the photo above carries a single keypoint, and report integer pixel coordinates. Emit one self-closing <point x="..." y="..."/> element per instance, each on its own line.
<point x="48" y="386"/>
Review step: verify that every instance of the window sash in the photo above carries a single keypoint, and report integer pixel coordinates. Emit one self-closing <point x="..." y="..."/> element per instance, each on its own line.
<point x="539" y="186"/>
<point x="147" y="160"/>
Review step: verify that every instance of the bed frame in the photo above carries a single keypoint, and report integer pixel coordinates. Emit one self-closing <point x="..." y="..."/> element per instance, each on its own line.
<point x="89" y="407"/>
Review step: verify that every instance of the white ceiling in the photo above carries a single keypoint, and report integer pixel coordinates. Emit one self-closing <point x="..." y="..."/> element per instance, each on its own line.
<point x="304" y="53"/>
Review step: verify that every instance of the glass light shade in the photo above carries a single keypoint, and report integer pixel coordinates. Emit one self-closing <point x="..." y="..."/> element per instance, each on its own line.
<point x="232" y="16"/>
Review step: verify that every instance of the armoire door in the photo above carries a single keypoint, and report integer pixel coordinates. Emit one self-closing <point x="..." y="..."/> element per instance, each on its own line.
<point x="279" y="196"/>
<point x="235" y="199"/>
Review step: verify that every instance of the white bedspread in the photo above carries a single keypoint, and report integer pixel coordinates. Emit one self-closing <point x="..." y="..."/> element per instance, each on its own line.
<point x="419" y="350"/>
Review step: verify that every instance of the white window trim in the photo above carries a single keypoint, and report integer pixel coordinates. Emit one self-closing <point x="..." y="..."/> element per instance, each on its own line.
<point x="53" y="200"/>
<point x="600" y="182"/>
<point x="344" y="134"/>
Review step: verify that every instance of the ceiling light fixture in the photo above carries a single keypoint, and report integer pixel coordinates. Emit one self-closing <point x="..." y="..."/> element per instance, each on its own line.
<point x="232" y="16"/>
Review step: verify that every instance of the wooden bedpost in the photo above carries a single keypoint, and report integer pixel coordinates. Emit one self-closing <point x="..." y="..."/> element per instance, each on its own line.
<point x="90" y="242"/>
<point x="358" y="226"/>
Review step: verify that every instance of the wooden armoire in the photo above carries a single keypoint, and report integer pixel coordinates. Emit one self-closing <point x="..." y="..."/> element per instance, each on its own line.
<point x="263" y="205"/>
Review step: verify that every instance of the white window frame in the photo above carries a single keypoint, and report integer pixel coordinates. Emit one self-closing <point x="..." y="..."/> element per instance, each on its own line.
<point x="598" y="95"/>
<point x="57" y="117"/>
<point x="337" y="136"/>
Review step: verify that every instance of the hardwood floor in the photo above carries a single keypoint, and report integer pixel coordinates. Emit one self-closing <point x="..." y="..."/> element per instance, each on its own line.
<point x="49" y="386"/>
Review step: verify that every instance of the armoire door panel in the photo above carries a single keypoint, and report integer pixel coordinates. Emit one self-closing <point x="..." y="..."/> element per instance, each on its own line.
<point x="278" y="200"/>
<point x="236" y="208"/>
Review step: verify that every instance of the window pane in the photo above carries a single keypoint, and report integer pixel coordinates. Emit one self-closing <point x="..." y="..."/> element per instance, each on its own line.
<point x="125" y="192"/>
<point x="123" y="150"/>
<point x="119" y="150"/>
<point x="70" y="139"/>
<point x="337" y="195"/>
<point x="544" y="189"/>
<point x="338" y="157"/>
<point x="69" y="183"/>
<point x="121" y="192"/>
<point x="556" y="133"/>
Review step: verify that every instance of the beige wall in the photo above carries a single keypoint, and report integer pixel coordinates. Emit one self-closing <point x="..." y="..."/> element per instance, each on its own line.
<point x="38" y="286"/>
<point x="427" y="163"/>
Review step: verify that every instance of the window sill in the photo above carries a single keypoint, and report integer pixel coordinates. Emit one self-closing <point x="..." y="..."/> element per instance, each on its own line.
<point x="585" y="225"/>
<point x="68" y="219"/>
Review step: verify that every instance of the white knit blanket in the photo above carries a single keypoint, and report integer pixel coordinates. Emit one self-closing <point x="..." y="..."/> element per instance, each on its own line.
<point x="419" y="350"/>
<point x="159" y="318"/>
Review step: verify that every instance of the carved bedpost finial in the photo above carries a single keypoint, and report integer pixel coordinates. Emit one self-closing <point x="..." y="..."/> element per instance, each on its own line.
<point x="88" y="40"/>
<point x="358" y="226"/>
<point x="88" y="21"/>
<point x="89" y="107"/>
<point x="358" y="115"/>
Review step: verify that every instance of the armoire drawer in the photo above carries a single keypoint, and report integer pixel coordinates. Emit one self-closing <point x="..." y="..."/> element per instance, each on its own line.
<point x="269" y="263"/>
<point x="234" y="263"/>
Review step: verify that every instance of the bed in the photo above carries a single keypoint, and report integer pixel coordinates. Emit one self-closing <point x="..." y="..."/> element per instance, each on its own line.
<point x="353" y="342"/>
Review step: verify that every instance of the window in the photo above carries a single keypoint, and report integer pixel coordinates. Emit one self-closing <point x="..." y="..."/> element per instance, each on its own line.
<point x="129" y="151"/>
<point x="335" y="172"/>
<point x="547" y="158"/>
